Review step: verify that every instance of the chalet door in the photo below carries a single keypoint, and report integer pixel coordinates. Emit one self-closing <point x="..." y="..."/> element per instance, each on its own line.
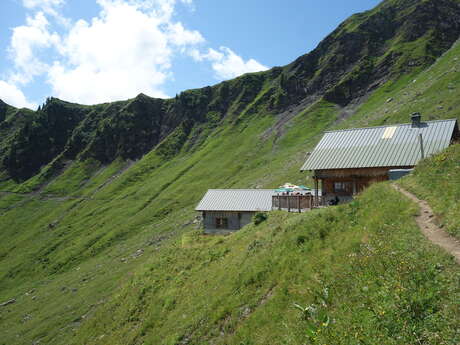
<point x="221" y="223"/>
<point x="363" y="184"/>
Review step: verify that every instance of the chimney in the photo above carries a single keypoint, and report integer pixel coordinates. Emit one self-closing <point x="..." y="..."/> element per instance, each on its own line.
<point x="416" y="120"/>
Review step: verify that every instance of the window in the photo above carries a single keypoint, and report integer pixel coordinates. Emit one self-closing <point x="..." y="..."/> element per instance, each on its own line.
<point x="221" y="223"/>
<point x="343" y="187"/>
<point x="389" y="132"/>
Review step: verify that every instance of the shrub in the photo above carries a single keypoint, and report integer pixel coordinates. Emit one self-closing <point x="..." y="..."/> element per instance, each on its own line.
<point x="259" y="217"/>
<point x="301" y="239"/>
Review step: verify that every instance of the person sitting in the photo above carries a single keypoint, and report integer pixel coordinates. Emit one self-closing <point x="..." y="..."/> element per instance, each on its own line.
<point x="334" y="201"/>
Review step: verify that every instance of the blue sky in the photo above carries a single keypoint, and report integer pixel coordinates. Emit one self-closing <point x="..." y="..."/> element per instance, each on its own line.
<point x="93" y="51"/>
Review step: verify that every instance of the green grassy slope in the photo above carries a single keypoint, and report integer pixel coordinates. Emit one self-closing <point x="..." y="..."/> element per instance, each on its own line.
<point x="109" y="248"/>
<point x="367" y="278"/>
<point x="353" y="265"/>
<point x="434" y="93"/>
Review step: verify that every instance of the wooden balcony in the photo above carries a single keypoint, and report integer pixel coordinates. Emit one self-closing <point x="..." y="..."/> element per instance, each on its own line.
<point x="295" y="203"/>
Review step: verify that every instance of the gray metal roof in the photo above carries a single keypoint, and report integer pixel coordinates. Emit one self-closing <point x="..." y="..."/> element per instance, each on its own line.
<point x="236" y="200"/>
<point x="386" y="146"/>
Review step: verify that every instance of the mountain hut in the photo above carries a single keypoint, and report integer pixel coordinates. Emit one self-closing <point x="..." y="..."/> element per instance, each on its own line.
<point x="228" y="210"/>
<point x="346" y="161"/>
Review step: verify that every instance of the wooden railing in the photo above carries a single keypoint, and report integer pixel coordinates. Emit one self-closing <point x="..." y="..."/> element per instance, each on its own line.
<point x="295" y="203"/>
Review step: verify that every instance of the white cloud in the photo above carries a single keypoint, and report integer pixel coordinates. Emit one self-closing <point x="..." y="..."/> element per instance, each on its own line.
<point x="226" y="63"/>
<point x="41" y="3"/>
<point x="182" y="37"/>
<point x="12" y="95"/>
<point x="48" y="6"/>
<point x="126" y="50"/>
<point x="26" y="41"/>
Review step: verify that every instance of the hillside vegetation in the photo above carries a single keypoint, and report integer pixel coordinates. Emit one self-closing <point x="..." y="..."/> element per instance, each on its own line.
<point x="96" y="204"/>
<point x="348" y="274"/>
<point x="359" y="275"/>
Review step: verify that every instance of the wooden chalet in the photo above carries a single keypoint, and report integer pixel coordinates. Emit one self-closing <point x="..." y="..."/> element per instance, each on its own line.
<point x="346" y="161"/>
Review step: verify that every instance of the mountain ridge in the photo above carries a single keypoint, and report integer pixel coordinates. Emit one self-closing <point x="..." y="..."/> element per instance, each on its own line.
<point x="364" y="52"/>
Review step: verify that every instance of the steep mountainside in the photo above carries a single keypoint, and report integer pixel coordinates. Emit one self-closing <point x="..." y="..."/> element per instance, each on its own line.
<point x="96" y="203"/>
<point x="363" y="53"/>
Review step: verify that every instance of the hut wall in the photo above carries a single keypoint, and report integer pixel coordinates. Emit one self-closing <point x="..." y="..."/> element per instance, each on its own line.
<point x="347" y="188"/>
<point x="357" y="172"/>
<point x="246" y="218"/>
<point x="345" y="183"/>
<point x="212" y="221"/>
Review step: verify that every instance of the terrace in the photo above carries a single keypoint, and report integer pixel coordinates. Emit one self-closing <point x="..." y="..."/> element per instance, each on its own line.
<point x="296" y="198"/>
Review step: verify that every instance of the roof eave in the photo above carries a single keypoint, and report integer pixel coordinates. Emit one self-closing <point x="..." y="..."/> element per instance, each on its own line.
<point x="232" y="210"/>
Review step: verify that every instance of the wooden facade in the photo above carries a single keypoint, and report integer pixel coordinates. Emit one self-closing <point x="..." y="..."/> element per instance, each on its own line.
<point x="345" y="183"/>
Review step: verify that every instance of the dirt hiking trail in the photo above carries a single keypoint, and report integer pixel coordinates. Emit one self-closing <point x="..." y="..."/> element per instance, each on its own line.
<point x="434" y="233"/>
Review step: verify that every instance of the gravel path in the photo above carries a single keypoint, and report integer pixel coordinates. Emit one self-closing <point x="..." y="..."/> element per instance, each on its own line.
<point x="434" y="233"/>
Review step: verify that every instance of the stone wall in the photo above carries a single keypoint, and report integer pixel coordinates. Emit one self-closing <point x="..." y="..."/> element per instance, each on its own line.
<point x="235" y="221"/>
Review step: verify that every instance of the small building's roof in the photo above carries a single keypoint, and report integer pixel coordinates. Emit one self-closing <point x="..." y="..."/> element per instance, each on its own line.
<point x="236" y="200"/>
<point x="386" y="146"/>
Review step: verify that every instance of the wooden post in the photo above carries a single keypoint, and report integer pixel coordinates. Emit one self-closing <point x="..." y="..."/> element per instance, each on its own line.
<point x="289" y="203"/>
<point x="279" y="203"/>
<point x="298" y="202"/>
<point x="319" y="198"/>
<point x="422" y="151"/>
<point x="316" y="192"/>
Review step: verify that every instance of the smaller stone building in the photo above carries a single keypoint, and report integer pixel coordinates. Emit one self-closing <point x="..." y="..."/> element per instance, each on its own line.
<point x="228" y="210"/>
